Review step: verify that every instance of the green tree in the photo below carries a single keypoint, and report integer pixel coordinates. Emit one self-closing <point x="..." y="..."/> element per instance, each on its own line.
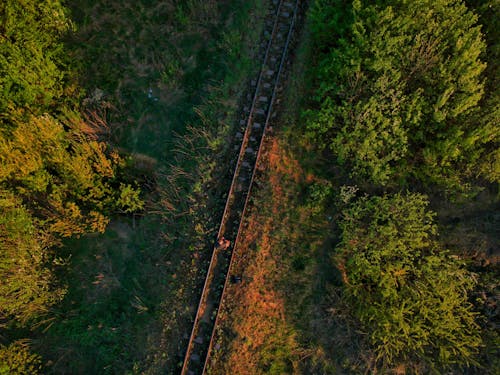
<point x="398" y="91"/>
<point x="488" y="164"/>
<point x="57" y="179"/>
<point x="64" y="177"/>
<point x="410" y="296"/>
<point x="31" y="55"/>
<point x="16" y="359"/>
<point x="27" y="287"/>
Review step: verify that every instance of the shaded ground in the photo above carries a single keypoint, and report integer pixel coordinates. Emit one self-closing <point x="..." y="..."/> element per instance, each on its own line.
<point x="133" y="290"/>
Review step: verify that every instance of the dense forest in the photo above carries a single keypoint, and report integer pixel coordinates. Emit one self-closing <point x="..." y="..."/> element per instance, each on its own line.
<point x="373" y="240"/>
<point x="405" y="104"/>
<point x="400" y="93"/>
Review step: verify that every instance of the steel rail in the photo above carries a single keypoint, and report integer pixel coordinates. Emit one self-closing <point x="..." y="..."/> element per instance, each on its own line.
<point x="228" y="200"/>
<point x="230" y="197"/>
<point x="247" y="200"/>
<point x="246" y="136"/>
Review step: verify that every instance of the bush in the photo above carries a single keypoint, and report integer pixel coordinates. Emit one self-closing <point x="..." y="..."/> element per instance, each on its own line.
<point x="410" y="296"/>
<point x="27" y="285"/>
<point x="16" y="359"/>
<point x="57" y="179"/>
<point x="398" y="91"/>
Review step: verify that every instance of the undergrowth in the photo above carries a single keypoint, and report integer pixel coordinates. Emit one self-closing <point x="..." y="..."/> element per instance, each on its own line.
<point x="167" y="79"/>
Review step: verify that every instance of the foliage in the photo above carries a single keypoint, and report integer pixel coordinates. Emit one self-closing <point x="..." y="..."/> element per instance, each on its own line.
<point x="31" y="55"/>
<point x="489" y="113"/>
<point x="25" y="285"/>
<point x="410" y="295"/>
<point x="57" y="179"/>
<point x="57" y="183"/>
<point x="16" y="359"/>
<point x="399" y="90"/>
<point x="129" y="199"/>
<point x="330" y="20"/>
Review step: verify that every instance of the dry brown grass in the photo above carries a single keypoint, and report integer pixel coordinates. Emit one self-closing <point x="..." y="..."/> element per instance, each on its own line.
<point x="258" y="306"/>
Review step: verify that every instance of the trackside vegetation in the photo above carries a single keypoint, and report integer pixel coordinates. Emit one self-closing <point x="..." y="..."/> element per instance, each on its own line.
<point x="409" y="293"/>
<point x="399" y="90"/>
<point x="373" y="238"/>
<point x="402" y="102"/>
<point x="57" y="179"/>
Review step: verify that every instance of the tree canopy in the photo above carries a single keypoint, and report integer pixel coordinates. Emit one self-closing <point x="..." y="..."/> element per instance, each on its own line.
<point x="57" y="178"/>
<point x="32" y="60"/>
<point x="399" y="91"/>
<point x="410" y="294"/>
<point x="16" y="359"/>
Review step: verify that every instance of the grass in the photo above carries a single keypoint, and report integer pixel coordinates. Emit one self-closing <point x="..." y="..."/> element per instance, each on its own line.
<point x="132" y="290"/>
<point x="152" y="62"/>
<point x="111" y="310"/>
<point x="281" y="319"/>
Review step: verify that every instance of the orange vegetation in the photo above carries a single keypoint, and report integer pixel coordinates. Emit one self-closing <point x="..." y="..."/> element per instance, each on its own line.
<point x="257" y="306"/>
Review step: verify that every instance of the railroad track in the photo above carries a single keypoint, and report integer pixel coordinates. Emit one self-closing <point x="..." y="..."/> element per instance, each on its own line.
<point x="278" y="33"/>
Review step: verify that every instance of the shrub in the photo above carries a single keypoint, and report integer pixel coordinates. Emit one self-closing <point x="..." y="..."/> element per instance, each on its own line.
<point x="27" y="287"/>
<point x="57" y="179"/>
<point x="410" y="296"/>
<point x="398" y="91"/>
<point x="16" y="359"/>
